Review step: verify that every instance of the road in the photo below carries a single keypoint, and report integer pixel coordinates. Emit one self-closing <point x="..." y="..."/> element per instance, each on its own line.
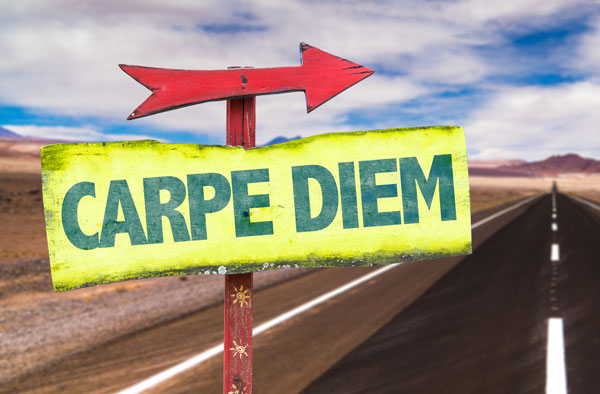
<point x="482" y="327"/>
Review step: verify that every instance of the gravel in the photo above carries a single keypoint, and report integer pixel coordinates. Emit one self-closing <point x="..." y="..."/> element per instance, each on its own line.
<point x="39" y="327"/>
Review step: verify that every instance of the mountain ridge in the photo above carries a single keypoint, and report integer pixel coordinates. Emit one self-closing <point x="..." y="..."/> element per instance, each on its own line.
<point x="6" y="133"/>
<point x="570" y="163"/>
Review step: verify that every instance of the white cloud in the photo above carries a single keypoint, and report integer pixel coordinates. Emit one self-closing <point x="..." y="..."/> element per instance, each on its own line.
<point x="61" y="57"/>
<point x="80" y="134"/>
<point x="587" y="57"/>
<point x="535" y="122"/>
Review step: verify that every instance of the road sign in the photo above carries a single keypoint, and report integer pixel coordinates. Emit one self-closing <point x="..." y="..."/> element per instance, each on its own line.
<point x="130" y="210"/>
<point x="127" y="210"/>
<point x="321" y="76"/>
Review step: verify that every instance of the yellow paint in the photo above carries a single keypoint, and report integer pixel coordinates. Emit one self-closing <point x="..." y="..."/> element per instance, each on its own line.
<point x="240" y="296"/>
<point x="239" y="350"/>
<point x="237" y="390"/>
<point x="65" y="165"/>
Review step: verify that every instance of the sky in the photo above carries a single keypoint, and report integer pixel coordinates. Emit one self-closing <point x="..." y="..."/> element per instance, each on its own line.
<point x="521" y="76"/>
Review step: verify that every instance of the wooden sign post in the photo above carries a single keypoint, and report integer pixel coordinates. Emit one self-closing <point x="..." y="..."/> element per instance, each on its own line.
<point x="341" y="199"/>
<point x="321" y="76"/>
<point x="239" y="289"/>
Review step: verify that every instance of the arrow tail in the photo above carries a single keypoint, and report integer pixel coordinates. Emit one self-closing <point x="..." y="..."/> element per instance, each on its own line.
<point x="157" y="80"/>
<point x="150" y="77"/>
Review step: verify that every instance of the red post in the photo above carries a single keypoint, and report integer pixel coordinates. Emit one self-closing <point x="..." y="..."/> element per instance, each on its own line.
<point x="237" y="361"/>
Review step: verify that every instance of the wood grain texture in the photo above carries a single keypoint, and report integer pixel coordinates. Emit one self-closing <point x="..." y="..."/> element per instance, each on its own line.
<point x="238" y="325"/>
<point x="237" y="361"/>
<point x="321" y="76"/>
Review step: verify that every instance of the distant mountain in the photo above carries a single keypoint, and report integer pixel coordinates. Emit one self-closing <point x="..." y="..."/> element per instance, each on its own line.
<point x="552" y="166"/>
<point x="495" y="163"/>
<point x="280" y="139"/>
<point x="7" y="133"/>
<point x="24" y="146"/>
<point x="558" y="164"/>
<point x="498" y="171"/>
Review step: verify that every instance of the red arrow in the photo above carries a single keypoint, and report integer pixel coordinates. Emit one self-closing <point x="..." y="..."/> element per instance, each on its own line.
<point x="321" y="76"/>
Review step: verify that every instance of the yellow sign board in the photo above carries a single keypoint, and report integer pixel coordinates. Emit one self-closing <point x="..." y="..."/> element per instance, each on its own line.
<point x="127" y="210"/>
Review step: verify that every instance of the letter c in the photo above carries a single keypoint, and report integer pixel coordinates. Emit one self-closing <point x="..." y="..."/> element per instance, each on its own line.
<point x="70" y="221"/>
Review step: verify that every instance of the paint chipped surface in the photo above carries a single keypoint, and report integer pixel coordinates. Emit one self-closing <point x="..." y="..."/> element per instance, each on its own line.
<point x="65" y="165"/>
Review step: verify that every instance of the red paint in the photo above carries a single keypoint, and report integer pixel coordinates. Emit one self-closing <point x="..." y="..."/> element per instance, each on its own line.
<point x="321" y="76"/>
<point x="237" y="367"/>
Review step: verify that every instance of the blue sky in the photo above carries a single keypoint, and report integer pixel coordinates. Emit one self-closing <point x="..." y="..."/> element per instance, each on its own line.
<point x="521" y="76"/>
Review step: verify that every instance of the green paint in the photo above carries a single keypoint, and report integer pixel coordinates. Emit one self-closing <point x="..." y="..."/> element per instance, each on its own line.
<point x="231" y="247"/>
<point x="242" y="202"/>
<point x="411" y="174"/>
<point x="348" y="195"/>
<point x="70" y="220"/>
<point x="119" y="194"/>
<point x="329" y="196"/>
<point x="370" y="192"/>
<point x="155" y="210"/>
<point x="199" y="206"/>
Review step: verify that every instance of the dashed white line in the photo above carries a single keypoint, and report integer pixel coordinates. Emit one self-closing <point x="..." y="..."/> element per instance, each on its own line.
<point x="554" y="227"/>
<point x="216" y="350"/>
<point x="556" y="376"/>
<point x="554" y="254"/>
<point x="553" y="216"/>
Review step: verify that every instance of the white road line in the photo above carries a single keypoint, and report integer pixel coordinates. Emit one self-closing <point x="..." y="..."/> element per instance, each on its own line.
<point x="554" y="227"/>
<point x="553" y="216"/>
<point x="556" y="375"/>
<point x="554" y="254"/>
<point x="502" y="212"/>
<point x="591" y="204"/>
<point x="304" y="307"/>
<point x="216" y="350"/>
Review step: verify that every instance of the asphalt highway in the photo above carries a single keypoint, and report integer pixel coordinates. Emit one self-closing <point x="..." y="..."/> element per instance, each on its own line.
<point x="476" y="324"/>
<point x="483" y="328"/>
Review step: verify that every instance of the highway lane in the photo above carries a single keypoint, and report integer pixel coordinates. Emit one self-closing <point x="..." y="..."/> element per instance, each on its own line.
<point x="483" y="328"/>
<point x="286" y="358"/>
<point x="578" y="292"/>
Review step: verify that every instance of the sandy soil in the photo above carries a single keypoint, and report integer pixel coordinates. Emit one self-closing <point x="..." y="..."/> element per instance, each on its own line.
<point x="573" y="183"/>
<point x="22" y="216"/>
<point x="503" y="188"/>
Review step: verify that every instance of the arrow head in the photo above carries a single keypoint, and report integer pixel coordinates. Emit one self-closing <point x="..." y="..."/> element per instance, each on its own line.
<point x="327" y="75"/>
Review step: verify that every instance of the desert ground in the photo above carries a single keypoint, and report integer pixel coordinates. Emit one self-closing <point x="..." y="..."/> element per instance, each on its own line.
<point x="39" y="326"/>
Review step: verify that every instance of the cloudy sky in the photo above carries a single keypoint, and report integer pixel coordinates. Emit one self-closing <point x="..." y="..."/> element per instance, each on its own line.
<point x="521" y="76"/>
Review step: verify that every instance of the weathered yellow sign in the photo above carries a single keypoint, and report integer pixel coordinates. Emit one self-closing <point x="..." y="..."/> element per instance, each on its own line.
<point x="126" y="210"/>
